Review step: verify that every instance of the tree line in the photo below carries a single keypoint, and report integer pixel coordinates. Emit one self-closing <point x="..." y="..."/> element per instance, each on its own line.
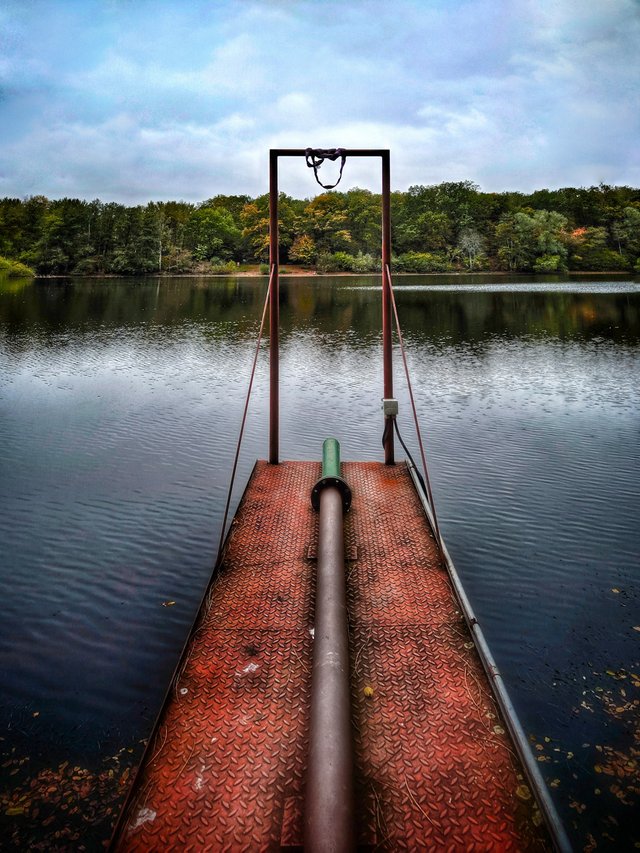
<point x="440" y="228"/>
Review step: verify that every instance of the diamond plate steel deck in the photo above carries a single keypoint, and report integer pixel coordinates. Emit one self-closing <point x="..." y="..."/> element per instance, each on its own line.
<point x="434" y="767"/>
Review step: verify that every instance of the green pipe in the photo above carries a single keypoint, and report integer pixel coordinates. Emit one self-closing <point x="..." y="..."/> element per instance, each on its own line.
<point x="331" y="475"/>
<point x="331" y="457"/>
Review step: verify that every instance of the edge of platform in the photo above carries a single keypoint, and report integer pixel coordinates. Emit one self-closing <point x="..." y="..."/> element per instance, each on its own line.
<point x="556" y="829"/>
<point x="120" y="824"/>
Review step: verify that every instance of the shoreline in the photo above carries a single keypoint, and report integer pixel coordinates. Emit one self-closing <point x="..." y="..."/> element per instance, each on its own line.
<point x="299" y="273"/>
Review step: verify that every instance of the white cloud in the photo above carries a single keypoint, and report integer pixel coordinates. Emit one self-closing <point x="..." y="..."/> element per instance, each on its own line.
<point x="184" y="100"/>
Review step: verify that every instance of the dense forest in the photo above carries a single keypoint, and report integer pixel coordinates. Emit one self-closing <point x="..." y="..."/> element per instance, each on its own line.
<point x="446" y="227"/>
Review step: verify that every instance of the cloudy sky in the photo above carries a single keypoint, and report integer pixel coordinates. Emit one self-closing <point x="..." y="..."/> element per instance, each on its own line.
<point x="137" y="100"/>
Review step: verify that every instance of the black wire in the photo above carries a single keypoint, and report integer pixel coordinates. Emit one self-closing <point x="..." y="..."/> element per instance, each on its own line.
<point x="406" y="450"/>
<point x="385" y="432"/>
<point x="393" y="424"/>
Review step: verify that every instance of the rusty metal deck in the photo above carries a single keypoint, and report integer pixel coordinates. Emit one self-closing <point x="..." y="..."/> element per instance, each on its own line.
<point x="435" y="768"/>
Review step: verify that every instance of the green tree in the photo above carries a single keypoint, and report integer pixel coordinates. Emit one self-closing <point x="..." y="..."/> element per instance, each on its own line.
<point x="589" y="251"/>
<point x="364" y="220"/>
<point x="255" y="221"/>
<point x="303" y="250"/>
<point x="471" y="243"/>
<point x="255" y="232"/>
<point x="626" y="232"/>
<point x="136" y="234"/>
<point x="212" y="233"/>
<point x="326" y="218"/>
<point x="525" y="236"/>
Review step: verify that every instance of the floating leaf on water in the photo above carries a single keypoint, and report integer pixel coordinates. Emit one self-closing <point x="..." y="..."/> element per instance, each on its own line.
<point x="591" y="844"/>
<point x="168" y="603"/>
<point x="619" y="674"/>
<point x="13" y="811"/>
<point x="554" y="783"/>
<point x="617" y="791"/>
<point x="615" y="589"/>
<point x="36" y="713"/>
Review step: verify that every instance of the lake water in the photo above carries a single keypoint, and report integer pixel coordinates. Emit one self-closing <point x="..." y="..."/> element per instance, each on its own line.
<point x="120" y="403"/>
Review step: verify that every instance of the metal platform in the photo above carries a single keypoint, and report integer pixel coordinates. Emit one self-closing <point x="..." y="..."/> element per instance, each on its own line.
<point x="435" y="767"/>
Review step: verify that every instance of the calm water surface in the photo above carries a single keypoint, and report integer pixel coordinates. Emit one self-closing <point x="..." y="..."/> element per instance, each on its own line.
<point x="119" y="408"/>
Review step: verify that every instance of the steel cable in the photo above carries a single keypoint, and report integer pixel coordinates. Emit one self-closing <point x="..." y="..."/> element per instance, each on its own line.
<point x="413" y="407"/>
<point x="244" y="416"/>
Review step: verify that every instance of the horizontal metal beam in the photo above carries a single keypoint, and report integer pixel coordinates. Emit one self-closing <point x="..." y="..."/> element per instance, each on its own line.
<point x="348" y="152"/>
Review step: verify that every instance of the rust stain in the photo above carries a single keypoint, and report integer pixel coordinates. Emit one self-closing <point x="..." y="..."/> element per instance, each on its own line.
<point x="434" y="769"/>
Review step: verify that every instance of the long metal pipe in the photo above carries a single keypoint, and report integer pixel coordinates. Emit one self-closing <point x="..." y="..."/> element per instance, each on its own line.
<point x="274" y="313"/>
<point x="329" y="804"/>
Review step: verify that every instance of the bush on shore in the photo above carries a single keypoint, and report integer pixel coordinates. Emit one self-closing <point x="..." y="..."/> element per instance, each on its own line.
<point x="219" y="267"/>
<point x="422" y="262"/>
<point x="344" y="262"/>
<point x="14" y="269"/>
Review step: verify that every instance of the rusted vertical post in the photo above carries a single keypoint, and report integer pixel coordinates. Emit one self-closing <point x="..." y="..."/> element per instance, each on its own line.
<point x="386" y="303"/>
<point x="274" y="313"/>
